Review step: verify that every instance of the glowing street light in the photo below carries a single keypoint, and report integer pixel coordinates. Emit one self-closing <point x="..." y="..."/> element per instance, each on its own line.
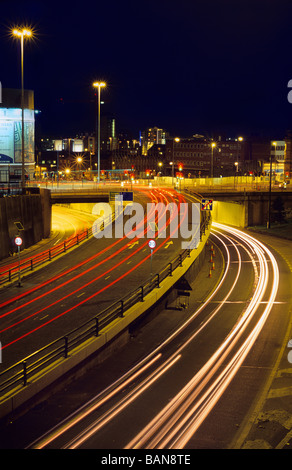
<point x="176" y="139"/>
<point x="79" y="160"/>
<point x="236" y="163"/>
<point x="98" y="85"/>
<point x="21" y="34"/>
<point x="270" y="187"/>
<point x="213" y="145"/>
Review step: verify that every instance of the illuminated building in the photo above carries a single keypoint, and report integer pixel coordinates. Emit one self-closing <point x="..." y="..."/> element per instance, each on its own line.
<point x="11" y="135"/>
<point x="288" y="155"/>
<point x="150" y="137"/>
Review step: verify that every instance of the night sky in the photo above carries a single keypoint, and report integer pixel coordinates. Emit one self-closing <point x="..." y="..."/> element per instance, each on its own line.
<point x="188" y="66"/>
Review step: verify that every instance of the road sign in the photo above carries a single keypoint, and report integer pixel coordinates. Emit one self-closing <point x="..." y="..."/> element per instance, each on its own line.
<point x="18" y="241"/>
<point x="152" y="244"/>
<point x="207" y="204"/>
<point x="124" y="196"/>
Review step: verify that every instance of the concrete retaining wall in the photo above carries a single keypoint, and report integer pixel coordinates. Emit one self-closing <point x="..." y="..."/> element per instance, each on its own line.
<point x="34" y="213"/>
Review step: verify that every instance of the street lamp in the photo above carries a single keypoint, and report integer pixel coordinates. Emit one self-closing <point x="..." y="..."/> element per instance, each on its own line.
<point x="79" y="161"/>
<point x="236" y="163"/>
<point x="98" y="85"/>
<point x="21" y="34"/>
<point x="213" y="145"/>
<point x="270" y="187"/>
<point x="176" y="139"/>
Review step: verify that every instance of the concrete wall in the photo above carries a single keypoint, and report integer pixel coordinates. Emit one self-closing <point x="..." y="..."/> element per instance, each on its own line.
<point x="4" y="237"/>
<point x="79" y="206"/>
<point x="229" y="213"/>
<point x="34" y="213"/>
<point x="251" y="210"/>
<point x="46" y="212"/>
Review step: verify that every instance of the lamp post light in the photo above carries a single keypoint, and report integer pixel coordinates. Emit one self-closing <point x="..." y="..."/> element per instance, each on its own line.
<point x="21" y="34"/>
<point x="236" y="163"/>
<point x="98" y="85"/>
<point x="236" y="173"/>
<point x="176" y="139"/>
<point x="213" y="145"/>
<point x="270" y="187"/>
<point x="79" y="161"/>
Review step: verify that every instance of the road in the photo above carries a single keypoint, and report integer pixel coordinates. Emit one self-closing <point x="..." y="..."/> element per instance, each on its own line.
<point x="188" y="380"/>
<point x="66" y="224"/>
<point x="195" y="387"/>
<point x="76" y="287"/>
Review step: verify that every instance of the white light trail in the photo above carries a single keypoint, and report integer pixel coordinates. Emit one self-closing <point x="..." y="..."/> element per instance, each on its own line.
<point x="174" y="426"/>
<point x="177" y="422"/>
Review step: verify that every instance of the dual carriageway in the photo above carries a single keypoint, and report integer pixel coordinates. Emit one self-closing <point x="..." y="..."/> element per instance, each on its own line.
<point x="174" y="384"/>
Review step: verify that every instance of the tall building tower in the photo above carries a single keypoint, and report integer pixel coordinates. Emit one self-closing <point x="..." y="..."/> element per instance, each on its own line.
<point x="152" y="136"/>
<point x="108" y="140"/>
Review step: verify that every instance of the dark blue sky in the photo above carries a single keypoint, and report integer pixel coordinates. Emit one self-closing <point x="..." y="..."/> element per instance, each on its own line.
<point x="187" y="66"/>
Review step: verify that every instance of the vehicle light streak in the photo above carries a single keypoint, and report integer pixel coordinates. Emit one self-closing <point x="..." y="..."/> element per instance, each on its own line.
<point x="30" y="291"/>
<point x="187" y="322"/>
<point x="174" y="426"/>
<point x="63" y="274"/>
<point x="153" y="377"/>
<point x="97" y="403"/>
<point x="27" y="258"/>
<point x="74" y="292"/>
<point x="178" y="421"/>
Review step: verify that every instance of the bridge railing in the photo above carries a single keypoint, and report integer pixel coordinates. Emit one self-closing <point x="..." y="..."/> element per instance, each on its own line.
<point x="58" y="350"/>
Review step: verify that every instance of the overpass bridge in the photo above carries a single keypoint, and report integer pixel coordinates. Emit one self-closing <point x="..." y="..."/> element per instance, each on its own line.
<point x="232" y="207"/>
<point x="246" y="208"/>
<point x="67" y="197"/>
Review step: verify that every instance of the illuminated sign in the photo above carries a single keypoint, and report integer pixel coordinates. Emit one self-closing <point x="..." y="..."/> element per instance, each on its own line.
<point x="207" y="204"/>
<point x="11" y="135"/>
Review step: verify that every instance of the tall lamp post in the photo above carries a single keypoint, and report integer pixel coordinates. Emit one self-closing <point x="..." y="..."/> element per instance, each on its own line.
<point x="98" y="85"/>
<point x="213" y="145"/>
<point x="236" y="163"/>
<point x="270" y="187"/>
<point x="21" y="34"/>
<point x="176" y="139"/>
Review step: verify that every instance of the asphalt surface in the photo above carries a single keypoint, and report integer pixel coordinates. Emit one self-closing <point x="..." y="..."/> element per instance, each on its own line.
<point x="254" y="412"/>
<point x="67" y="397"/>
<point x="75" y="288"/>
<point x="270" y="424"/>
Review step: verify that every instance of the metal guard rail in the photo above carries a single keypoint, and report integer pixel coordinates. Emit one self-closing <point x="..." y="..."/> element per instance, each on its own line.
<point x="29" y="264"/>
<point x="59" y="349"/>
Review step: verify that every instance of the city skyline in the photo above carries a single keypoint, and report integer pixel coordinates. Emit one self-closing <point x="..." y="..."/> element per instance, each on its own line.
<point x="199" y="68"/>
